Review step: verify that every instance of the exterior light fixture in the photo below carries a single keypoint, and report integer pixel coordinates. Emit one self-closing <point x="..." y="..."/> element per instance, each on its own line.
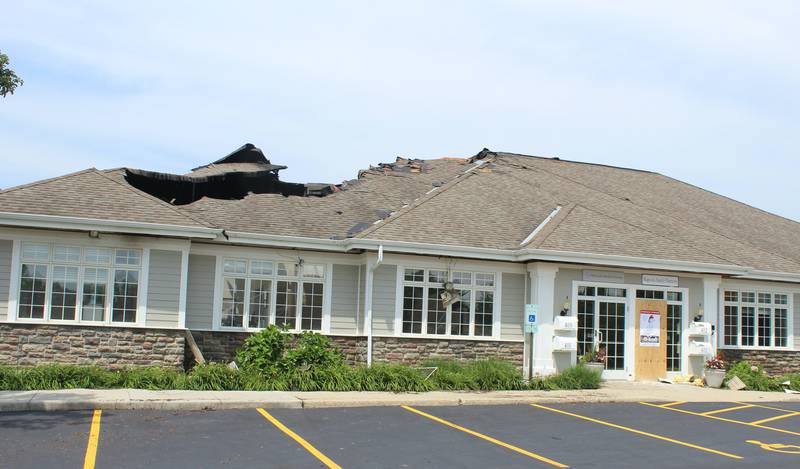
<point x="565" y="309"/>
<point x="94" y="234"/>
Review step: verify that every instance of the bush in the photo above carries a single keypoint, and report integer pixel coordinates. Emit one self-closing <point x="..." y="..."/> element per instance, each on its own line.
<point x="312" y="350"/>
<point x="755" y="380"/>
<point x="576" y="377"/>
<point x="263" y="350"/>
<point x="389" y="377"/>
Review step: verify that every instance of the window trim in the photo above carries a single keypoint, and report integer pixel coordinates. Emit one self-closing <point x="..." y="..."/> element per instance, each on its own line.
<point x="399" y="292"/>
<point x="772" y="306"/>
<point x="219" y="280"/>
<point x="16" y="270"/>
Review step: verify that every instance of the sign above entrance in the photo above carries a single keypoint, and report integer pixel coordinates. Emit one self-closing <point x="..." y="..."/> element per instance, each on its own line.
<point x="603" y="276"/>
<point x="660" y="280"/>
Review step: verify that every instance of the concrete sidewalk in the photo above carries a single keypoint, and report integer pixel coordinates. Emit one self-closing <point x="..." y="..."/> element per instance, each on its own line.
<point x="124" y="399"/>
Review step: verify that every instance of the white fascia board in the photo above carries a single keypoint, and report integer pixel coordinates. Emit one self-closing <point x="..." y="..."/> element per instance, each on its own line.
<point x="773" y="276"/>
<point x="56" y="222"/>
<point x="293" y="242"/>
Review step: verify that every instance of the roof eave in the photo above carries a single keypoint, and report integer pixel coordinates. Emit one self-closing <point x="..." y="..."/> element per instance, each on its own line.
<point x="55" y="222"/>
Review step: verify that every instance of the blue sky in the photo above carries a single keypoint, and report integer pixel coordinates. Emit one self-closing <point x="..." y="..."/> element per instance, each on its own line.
<point x="707" y="92"/>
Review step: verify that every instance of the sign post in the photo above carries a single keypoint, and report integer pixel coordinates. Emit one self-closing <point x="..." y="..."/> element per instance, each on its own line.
<point x="531" y="327"/>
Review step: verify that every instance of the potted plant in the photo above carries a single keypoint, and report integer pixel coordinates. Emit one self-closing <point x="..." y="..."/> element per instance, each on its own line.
<point x="594" y="359"/>
<point x="714" y="372"/>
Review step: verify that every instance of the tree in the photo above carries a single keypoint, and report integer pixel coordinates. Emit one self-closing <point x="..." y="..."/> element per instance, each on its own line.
<point x="9" y="81"/>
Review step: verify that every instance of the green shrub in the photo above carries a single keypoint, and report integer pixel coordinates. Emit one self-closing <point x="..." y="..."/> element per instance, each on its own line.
<point x="152" y="378"/>
<point x="263" y="350"/>
<point x="389" y="377"/>
<point x="212" y="377"/>
<point x="754" y="380"/>
<point x="312" y="350"/>
<point x="576" y="377"/>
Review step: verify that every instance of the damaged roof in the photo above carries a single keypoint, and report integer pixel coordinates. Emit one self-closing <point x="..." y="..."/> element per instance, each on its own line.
<point x="495" y="200"/>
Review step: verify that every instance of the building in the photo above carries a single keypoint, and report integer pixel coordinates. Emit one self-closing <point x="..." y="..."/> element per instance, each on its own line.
<point x="413" y="259"/>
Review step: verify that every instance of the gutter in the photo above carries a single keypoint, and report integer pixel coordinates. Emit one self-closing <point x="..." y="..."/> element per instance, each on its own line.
<point x="26" y="220"/>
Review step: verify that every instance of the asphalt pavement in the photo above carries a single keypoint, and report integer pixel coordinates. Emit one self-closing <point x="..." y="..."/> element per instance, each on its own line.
<point x="624" y="435"/>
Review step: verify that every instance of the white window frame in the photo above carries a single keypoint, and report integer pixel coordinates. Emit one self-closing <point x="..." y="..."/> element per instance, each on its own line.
<point x="772" y="306"/>
<point x="426" y="285"/>
<point x="274" y="278"/>
<point x="111" y="267"/>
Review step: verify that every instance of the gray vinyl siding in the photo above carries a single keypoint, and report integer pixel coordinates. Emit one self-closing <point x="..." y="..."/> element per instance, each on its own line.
<point x="163" y="288"/>
<point x="344" y="299"/>
<point x="512" y="303"/>
<point x="5" y="277"/>
<point x="797" y="321"/>
<point x="362" y="289"/>
<point x="563" y="288"/>
<point x="200" y="292"/>
<point x="384" y="294"/>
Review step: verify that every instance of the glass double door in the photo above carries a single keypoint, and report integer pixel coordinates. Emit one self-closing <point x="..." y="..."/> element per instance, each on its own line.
<point x="602" y="324"/>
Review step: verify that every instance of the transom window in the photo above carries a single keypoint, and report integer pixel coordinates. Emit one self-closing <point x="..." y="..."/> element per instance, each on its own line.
<point x="71" y="283"/>
<point x="256" y="293"/>
<point x="440" y="302"/>
<point x="755" y="319"/>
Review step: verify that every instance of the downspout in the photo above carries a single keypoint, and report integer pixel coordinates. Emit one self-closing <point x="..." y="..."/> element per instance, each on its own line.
<point x="371" y="266"/>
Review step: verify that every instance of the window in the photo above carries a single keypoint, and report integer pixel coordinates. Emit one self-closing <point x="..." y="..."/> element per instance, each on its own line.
<point x="256" y="293"/>
<point x="71" y="283"/>
<point x="755" y="319"/>
<point x="424" y="309"/>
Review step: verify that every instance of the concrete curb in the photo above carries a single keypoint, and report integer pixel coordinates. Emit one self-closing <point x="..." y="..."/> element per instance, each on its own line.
<point x="138" y="399"/>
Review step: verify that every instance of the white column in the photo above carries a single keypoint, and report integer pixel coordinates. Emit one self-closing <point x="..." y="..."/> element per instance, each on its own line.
<point x="711" y="306"/>
<point x="543" y="283"/>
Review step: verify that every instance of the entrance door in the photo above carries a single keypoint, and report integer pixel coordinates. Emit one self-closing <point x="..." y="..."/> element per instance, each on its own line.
<point x="601" y="326"/>
<point x="651" y="339"/>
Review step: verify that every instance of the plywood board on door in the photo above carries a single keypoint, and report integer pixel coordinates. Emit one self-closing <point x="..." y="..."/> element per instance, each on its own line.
<point x="651" y="339"/>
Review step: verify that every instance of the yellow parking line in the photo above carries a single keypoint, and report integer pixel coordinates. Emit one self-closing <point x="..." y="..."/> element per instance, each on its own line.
<point x="723" y="419"/>
<point x="324" y="459"/>
<point x="639" y="432"/>
<point x="779" y="409"/>
<point x="485" y="437"/>
<point x="727" y="409"/>
<point x="778" y="417"/>
<point x="94" y="439"/>
<point x="670" y="404"/>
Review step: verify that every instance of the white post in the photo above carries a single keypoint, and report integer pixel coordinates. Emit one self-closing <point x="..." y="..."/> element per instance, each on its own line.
<point x="368" y="307"/>
<point x="543" y="283"/>
<point x="711" y="307"/>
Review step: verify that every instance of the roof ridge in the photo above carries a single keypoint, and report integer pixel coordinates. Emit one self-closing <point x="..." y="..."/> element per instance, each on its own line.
<point x="155" y="199"/>
<point x="421" y="200"/>
<point x="44" y="181"/>
<point x="681" y="220"/>
<point x="557" y="158"/>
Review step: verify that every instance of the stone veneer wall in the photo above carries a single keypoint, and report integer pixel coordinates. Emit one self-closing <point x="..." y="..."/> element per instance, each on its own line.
<point x="412" y="351"/>
<point x="774" y="362"/>
<point x="221" y="347"/>
<point x="111" y="347"/>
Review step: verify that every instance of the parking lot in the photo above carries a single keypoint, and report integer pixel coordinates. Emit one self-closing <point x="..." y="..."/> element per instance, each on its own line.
<point x="655" y="435"/>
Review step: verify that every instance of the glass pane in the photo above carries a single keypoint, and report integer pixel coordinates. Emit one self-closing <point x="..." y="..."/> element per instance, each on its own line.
<point x="63" y="293"/>
<point x="437" y="276"/>
<point x="98" y="255"/>
<point x="36" y="252"/>
<point x="612" y="328"/>
<point x="33" y="288"/>
<point x="414" y="275"/>
<point x="764" y="327"/>
<point x="230" y="266"/>
<point x="127" y="257"/>
<point x="732" y="296"/>
<point x="781" y="327"/>
<point x="313" y="270"/>
<point x="484" y="313"/>
<point x="731" y="326"/>
<point x="781" y="299"/>
<point x="484" y="280"/>
<point x="460" y="312"/>
<point x="126" y="288"/>
<point x="311" y="318"/>
<point x="261" y="268"/>
<point x="95" y="283"/>
<point x="765" y="298"/>
<point x="674" y="337"/>
<point x="748" y="297"/>
<point x="287" y="270"/>
<point x="412" y="310"/>
<point x="748" y="325"/>
<point x="437" y="312"/>
<point x="462" y="278"/>
<point x="66" y="254"/>
<point x="233" y="302"/>
<point x="286" y="304"/>
<point x="260" y="291"/>
<point x="585" y="326"/>
<point x="674" y="296"/>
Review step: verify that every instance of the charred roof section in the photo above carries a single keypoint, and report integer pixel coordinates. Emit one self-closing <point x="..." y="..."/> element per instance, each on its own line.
<point x="242" y="172"/>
